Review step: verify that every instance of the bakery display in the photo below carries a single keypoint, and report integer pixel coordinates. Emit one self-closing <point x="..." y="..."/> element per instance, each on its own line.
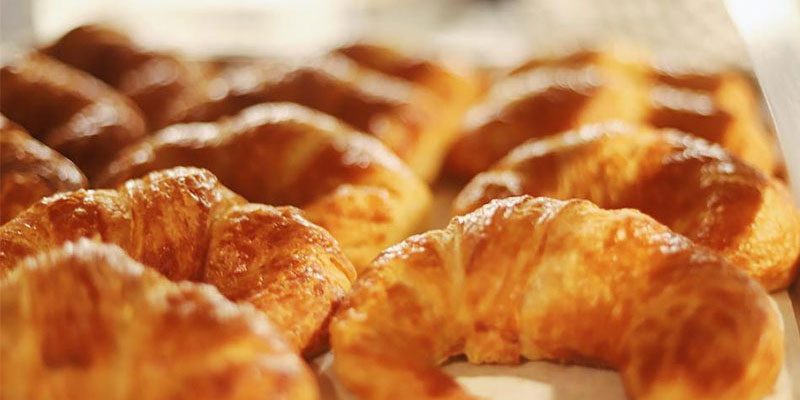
<point x="85" y="321"/>
<point x="283" y="153"/>
<point x="183" y="223"/>
<point x="538" y="278"/>
<point x="175" y="227"/>
<point x="68" y="110"/>
<point x="546" y="97"/>
<point x="29" y="171"/>
<point x="164" y="86"/>
<point x="695" y="188"/>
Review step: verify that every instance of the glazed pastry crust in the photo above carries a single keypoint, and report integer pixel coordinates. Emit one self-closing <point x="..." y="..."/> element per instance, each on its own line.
<point x="695" y="188"/>
<point x="546" y="97"/>
<point x="30" y="171"/>
<point x="584" y="285"/>
<point x="283" y="153"/>
<point x="183" y="223"/>
<point x="126" y="332"/>
<point x="404" y="116"/>
<point x="164" y="86"/>
<point x="68" y="110"/>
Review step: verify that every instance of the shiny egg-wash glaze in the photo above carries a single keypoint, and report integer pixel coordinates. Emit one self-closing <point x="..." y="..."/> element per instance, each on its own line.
<point x="164" y="86"/>
<point x="538" y="278"/>
<point x="695" y="188"/>
<point x="546" y="97"/>
<point x="282" y="153"/>
<point x="85" y="321"/>
<point x="29" y="171"/>
<point x="407" y="118"/>
<point x="68" y="110"/>
<point x="186" y="225"/>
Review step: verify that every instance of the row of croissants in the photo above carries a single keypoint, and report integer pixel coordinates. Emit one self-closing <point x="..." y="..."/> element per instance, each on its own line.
<point x="188" y="229"/>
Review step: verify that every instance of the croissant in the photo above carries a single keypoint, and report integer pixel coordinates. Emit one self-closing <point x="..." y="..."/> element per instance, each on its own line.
<point x="545" y="97"/>
<point x="30" y="171"/>
<point x="164" y="86"/>
<point x="186" y="225"/>
<point x="402" y="115"/>
<point x="457" y="89"/>
<point x="283" y="153"/>
<point x="75" y="114"/>
<point x="693" y="187"/>
<point x="557" y="280"/>
<point x="126" y="332"/>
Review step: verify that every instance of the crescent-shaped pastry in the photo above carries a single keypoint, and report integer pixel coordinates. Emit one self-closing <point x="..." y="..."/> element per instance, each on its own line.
<point x="68" y="110"/>
<point x="86" y="321"/>
<point x="546" y="97"/>
<point x="404" y="116"/>
<point x="283" y="153"/>
<point x="29" y="171"/>
<point x="689" y="185"/>
<point x="183" y="223"/>
<point x="164" y="86"/>
<point x="538" y="278"/>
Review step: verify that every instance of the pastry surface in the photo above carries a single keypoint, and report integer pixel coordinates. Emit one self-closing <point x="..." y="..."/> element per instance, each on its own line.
<point x="538" y="278"/>
<point x="85" y="321"/>
<point x="695" y="188"/>
<point x="183" y="223"/>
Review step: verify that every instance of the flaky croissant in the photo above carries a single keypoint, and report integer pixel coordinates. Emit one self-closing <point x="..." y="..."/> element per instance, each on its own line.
<point x="186" y="225"/>
<point x="29" y="171"/>
<point x="283" y="153"/>
<point x="565" y="281"/>
<point x="402" y="115"/>
<point x="164" y="86"/>
<point x="693" y="187"/>
<point x="68" y="110"/>
<point x="85" y="321"/>
<point x="546" y="97"/>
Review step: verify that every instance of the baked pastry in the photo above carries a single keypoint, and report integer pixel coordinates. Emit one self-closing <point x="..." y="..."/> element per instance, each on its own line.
<point x="545" y="97"/>
<point x="75" y="114"/>
<point x="455" y="88"/>
<point x="564" y="281"/>
<point x="85" y="321"/>
<point x="283" y="153"/>
<point x="164" y="86"/>
<point x="183" y="223"/>
<point x="693" y="187"/>
<point x="402" y="115"/>
<point x="29" y="170"/>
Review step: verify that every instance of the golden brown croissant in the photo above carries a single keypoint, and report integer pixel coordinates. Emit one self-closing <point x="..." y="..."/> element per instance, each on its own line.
<point x="162" y="85"/>
<point x="402" y="115"/>
<point x="75" y="114"/>
<point x="283" y="153"/>
<point x="545" y="97"/>
<point x="87" y="322"/>
<point x="539" y="278"/>
<point x="29" y="171"/>
<point x="186" y="225"/>
<point x="687" y="184"/>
